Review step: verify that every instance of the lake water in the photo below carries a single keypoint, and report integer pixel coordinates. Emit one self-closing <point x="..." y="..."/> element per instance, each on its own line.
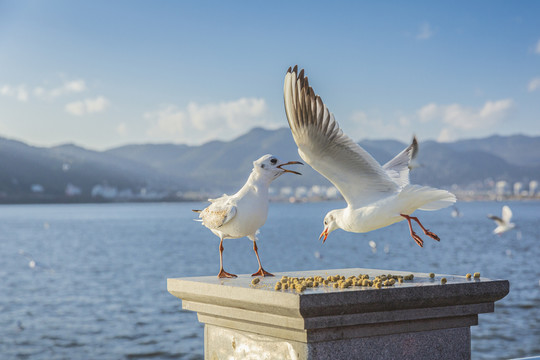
<point x="89" y="281"/>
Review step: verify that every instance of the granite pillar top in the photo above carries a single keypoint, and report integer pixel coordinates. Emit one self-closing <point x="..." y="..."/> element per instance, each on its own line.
<point x="420" y="293"/>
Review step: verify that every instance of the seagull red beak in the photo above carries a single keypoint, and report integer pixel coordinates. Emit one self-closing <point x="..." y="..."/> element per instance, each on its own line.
<point x="325" y="234"/>
<point x="290" y="163"/>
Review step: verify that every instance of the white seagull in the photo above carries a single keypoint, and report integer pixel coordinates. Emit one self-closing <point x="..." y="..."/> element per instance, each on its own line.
<point x="376" y="196"/>
<point x="242" y="214"/>
<point x="503" y="223"/>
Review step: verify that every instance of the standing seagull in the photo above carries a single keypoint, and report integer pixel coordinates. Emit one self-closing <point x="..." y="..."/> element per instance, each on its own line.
<point x="242" y="214"/>
<point x="377" y="196"/>
<point x="503" y="224"/>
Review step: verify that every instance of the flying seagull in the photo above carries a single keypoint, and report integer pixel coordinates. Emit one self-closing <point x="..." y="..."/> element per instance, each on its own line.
<point x="376" y="196"/>
<point x="503" y="223"/>
<point x="242" y="214"/>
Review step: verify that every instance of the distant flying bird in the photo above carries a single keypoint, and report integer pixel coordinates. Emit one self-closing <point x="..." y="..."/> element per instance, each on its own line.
<point x="242" y="214"/>
<point x="456" y="213"/>
<point x="376" y="196"/>
<point x="32" y="264"/>
<point x="503" y="224"/>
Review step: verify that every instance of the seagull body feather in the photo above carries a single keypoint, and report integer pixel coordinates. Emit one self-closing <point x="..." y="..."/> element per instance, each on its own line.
<point x="241" y="214"/>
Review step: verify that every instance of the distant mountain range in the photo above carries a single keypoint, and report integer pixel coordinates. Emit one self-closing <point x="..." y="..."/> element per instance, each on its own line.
<point x="29" y="174"/>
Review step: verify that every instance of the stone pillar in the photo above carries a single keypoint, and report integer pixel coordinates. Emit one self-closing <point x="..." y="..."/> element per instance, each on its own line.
<point x="418" y="319"/>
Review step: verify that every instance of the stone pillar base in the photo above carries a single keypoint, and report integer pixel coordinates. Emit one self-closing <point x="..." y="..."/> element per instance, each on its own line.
<point x="420" y="319"/>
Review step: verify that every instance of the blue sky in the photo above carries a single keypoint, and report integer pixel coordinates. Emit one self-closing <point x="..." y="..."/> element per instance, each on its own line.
<point x="106" y="73"/>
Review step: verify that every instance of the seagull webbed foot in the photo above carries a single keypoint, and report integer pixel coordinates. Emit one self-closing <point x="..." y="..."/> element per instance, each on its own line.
<point x="418" y="239"/>
<point x="224" y="274"/>
<point x="262" y="272"/>
<point x="432" y="235"/>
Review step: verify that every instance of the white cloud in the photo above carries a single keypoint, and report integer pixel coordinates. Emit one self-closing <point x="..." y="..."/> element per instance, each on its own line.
<point x="404" y="121"/>
<point x="121" y="129"/>
<point x="87" y="106"/>
<point x="428" y="112"/>
<point x="446" y="135"/>
<point x="360" y="118"/>
<point x="534" y="84"/>
<point x="363" y="125"/>
<point x="75" y="108"/>
<point x="425" y="32"/>
<point x="467" y="118"/>
<point x="68" y="87"/>
<point x="203" y="122"/>
<point x="96" y="105"/>
<point x="18" y="92"/>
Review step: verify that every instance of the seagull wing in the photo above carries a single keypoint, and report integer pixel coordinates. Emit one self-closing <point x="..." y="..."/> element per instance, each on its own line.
<point x="497" y="219"/>
<point x="506" y="214"/>
<point x="323" y="145"/>
<point x="217" y="214"/>
<point x="398" y="168"/>
<point x="414" y="152"/>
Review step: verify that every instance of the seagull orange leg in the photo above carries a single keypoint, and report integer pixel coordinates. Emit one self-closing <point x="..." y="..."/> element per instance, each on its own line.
<point x="223" y="273"/>
<point x="261" y="271"/>
<point x="426" y="231"/>
<point x="415" y="237"/>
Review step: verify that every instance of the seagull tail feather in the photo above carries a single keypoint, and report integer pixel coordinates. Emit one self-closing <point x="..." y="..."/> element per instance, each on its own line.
<point x="427" y="198"/>
<point x="197" y="211"/>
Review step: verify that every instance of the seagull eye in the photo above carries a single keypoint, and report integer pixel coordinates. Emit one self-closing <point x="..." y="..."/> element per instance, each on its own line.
<point x="273" y="161"/>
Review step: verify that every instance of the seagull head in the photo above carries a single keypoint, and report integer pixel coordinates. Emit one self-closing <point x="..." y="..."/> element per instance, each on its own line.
<point x="270" y="167"/>
<point x="330" y="223"/>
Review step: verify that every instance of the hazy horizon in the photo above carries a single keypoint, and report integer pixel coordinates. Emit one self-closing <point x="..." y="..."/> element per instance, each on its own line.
<point x="68" y="143"/>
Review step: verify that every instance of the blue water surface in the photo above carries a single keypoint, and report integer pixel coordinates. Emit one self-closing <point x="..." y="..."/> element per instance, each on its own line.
<point x="89" y="281"/>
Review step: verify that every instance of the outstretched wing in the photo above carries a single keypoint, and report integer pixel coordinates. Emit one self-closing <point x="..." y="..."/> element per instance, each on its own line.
<point x="506" y="214"/>
<point x="398" y="168"/>
<point x="321" y="143"/>
<point x="497" y="219"/>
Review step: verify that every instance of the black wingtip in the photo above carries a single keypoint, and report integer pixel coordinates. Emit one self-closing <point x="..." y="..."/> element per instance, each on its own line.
<point x="197" y="211"/>
<point x="295" y="70"/>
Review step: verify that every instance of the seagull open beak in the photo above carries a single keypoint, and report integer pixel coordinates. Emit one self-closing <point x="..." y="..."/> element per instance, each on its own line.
<point x="290" y="163"/>
<point x="325" y="234"/>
